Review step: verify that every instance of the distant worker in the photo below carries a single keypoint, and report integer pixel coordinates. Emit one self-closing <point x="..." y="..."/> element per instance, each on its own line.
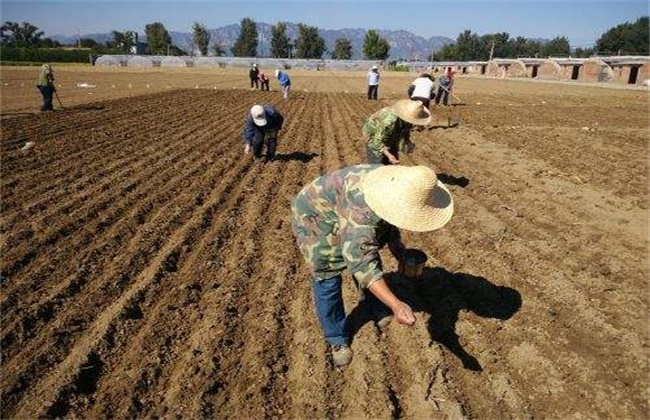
<point x="423" y="89"/>
<point x="342" y="219"/>
<point x="373" y="83"/>
<point x="388" y="130"/>
<point x="445" y="85"/>
<point x="264" y="81"/>
<point x="285" y="83"/>
<point x="261" y="127"/>
<point x="46" y="86"/>
<point x="253" y="74"/>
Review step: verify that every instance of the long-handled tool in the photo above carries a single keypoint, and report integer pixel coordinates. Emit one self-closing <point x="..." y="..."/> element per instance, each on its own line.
<point x="451" y="93"/>
<point x="58" y="100"/>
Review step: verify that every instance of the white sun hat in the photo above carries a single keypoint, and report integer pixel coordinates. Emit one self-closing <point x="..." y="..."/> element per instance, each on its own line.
<point x="411" y="111"/>
<point x="374" y="67"/>
<point x="277" y="72"/>
<point x="259" y="116"/>
<point x="409" y="197"/>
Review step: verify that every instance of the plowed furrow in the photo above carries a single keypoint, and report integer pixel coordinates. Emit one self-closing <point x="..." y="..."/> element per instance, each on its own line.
<point x="53" y="385"/>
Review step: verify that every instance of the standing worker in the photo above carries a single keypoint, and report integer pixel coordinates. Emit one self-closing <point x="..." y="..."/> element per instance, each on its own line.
<point x="261" y="126"/>
<point x="285" y="83"/>
<point x="423" y="89"/>
<point x="342" y="219"/>
<point x="46" y="86"/>
<point x="373" y="82"/>
<point x="388" y="130"/>
<point x="446" y="83"/>
<point x="264" y="81"/>
<point x="253" y="74"/>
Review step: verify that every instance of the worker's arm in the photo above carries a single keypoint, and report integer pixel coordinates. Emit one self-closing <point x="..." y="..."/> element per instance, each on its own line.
<point x="402" y="312"/>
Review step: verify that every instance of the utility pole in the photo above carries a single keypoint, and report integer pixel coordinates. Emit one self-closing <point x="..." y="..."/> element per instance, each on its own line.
<point x="491" y="51"/>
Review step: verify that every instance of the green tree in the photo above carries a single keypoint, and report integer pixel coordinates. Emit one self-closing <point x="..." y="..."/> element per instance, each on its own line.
<point x="124" y="41"/>
<point x="557" y="47"/>
<point x="25" y="35"/>
<point x="280" y="43"/>
<point x="158" y="39"/>
<point x="375" y="47"/>
<point x="342" y="49"/>
<point x="218" y="49"/>
<point x="246" y="43"/>
<point x="626" y="38"/>
<point x="201" y="37"/>
<point x="309" y="43"/>
<point x="495" y="45"/>
<point x="468" y="47"/>
<point x="583" y="52"/>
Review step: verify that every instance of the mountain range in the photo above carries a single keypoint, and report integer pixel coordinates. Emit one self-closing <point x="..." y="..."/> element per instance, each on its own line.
<point x="404" y="44"/>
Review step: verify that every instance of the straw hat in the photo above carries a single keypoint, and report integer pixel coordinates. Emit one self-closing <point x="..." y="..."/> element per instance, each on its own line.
<point x="411" y="111"/>
<point x="259" y="116"/>
<point x="409" y="197"/>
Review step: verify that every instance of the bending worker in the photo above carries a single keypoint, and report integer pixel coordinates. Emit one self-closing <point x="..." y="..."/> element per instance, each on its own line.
<point x="261" y="127"/>
<point x="388" y="130"/>
<point x="343" y="218"/>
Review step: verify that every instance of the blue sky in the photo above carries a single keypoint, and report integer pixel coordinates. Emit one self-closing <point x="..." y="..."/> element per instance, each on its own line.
<point x="581" y="21"/>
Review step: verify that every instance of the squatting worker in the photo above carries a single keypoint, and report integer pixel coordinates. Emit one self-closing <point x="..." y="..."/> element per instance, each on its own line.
<point x="342" y="219"/>
<point x="46" y="85"/>
<point x="389" y="130"/>
<point x="261" y="127"/>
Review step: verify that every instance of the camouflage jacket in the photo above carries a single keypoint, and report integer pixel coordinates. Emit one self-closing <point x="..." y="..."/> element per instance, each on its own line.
<point x="45" y="78"/>
<point x="335" y="229"/>
<point x="385" y="130"/>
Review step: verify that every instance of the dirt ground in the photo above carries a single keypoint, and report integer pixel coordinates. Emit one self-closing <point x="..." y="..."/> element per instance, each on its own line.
<point x="149" y="270"/>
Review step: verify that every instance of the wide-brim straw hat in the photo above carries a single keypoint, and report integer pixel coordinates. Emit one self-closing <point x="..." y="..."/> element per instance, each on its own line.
<point x="409" y="197"/>
<point x="411" y="111"/>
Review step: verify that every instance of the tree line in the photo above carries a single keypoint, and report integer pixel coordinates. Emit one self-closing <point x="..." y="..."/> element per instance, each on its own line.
<point x="20" y="40"/>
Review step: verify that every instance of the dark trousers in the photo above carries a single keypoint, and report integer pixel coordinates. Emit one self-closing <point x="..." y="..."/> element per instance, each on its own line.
<point x="372" y="91"/>
<point x="442" y="94"/>
<point x="254" y="83"/>
<point x="425" y="101"/>
<point x="47" y="92"/>
<point x="265" y="85"/>
<point x="271" y="141"/>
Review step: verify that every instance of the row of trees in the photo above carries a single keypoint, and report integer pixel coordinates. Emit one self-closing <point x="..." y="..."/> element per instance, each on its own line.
<point x="627" y="38"/>
<point x="308" y="44"/>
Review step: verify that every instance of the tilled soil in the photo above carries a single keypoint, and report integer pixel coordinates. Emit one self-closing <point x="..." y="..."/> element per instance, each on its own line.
<point x="148" y="266"/>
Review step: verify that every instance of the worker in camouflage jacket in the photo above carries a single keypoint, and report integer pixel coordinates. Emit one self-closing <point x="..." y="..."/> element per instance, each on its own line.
<point x="388" y="131"/>
<point x="342" y="219"/>
<point x="46" y="85"/>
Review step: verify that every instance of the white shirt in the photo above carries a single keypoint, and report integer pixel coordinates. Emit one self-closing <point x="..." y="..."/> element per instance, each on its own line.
<point x="373" y="78"/>
<point x="423" y="86"/>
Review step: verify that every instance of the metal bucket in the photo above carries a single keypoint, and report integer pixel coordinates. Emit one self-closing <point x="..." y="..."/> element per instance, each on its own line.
<point x="412" y="263"/>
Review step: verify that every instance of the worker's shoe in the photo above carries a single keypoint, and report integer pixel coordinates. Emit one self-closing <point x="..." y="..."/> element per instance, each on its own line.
<point x="341" y="355"/>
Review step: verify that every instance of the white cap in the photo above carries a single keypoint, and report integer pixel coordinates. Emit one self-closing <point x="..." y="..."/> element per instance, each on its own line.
<point x="374" y="67"/>
<point x="277" y="72"/>
<point x="259" y="116"/>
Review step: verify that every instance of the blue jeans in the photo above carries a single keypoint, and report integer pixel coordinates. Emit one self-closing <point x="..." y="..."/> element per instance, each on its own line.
<point x="328" y="296"/>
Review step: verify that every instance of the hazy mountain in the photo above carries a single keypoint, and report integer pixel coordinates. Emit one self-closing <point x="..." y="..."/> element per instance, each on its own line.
<point x="404" y="44"/>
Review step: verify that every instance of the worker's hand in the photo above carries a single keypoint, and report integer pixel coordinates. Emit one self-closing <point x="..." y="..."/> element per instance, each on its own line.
<point x="391" y="158"/>
<point x="247" y="149"/>
<point x="403" y="314"/>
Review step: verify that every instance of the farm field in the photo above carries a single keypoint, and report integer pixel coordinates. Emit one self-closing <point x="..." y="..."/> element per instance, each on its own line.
<point x="149" y="269"/>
